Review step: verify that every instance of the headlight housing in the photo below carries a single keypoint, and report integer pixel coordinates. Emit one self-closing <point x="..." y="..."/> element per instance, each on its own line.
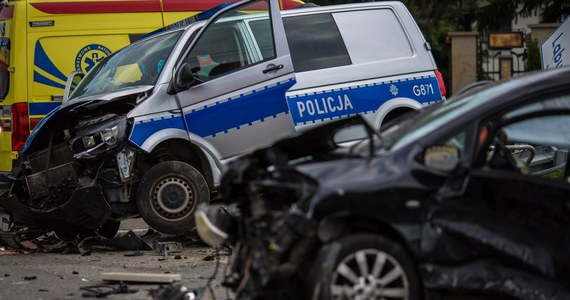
<point x="96" y="140"/>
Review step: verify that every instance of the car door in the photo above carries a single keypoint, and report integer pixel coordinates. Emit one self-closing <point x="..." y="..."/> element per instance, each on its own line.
<point x="509" y="208"/>
<point x="242" y="62"/>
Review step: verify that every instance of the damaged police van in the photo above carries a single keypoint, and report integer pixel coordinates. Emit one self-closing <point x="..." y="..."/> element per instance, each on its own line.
<point x="146" y="132"/>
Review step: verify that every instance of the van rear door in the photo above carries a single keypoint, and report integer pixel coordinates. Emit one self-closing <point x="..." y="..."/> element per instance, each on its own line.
<point x="243" y="61"/>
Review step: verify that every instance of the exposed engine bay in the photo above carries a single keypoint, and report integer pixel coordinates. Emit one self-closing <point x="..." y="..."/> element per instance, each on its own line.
<point x="76" y="165"/>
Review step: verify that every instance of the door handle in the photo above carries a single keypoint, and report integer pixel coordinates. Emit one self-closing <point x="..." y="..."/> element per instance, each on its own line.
<point x="271" y="68"/>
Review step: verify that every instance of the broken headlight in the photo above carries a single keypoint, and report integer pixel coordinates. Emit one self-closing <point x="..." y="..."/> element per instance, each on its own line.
<point x="93" y="141"/>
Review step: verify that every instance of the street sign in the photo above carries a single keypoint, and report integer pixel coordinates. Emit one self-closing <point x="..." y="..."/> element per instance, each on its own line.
<point x="505" y="40"/>
<point x="553" y="51"/>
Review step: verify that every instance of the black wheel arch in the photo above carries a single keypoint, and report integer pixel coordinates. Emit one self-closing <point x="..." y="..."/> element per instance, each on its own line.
<point x="395" y="113"/>
<point x="178" y="150"/>
<point x="342" y="224"/>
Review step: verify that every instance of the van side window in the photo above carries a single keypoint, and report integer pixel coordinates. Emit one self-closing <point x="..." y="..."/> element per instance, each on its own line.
<point x="263" y="37"/>
<point x="227" y="45"/>
<point x="315" y="42"/>
<point x="377" y="29"/>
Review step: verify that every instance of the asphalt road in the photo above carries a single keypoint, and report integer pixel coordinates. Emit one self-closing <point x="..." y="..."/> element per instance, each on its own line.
<point x="59" y="276"/>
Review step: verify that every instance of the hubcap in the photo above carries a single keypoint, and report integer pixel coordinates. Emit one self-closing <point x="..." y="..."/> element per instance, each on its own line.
<point x="172" y="198"/>
<point x="369" y="274"/>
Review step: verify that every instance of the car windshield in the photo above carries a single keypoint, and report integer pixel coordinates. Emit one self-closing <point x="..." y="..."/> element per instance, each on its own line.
<point x="136" y="65"/>
<point x="434" y="117"/>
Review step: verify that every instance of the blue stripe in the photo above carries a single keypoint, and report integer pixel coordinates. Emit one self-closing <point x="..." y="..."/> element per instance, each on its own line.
<point x="221" y="117"/>
<point x="43" y="80"/>
<point x="43" y="62"/>
<point x="42" y="108"/>
<point x="310" y="108"/>
<point x="244" y="110"/>
<point x="143" y="130"/>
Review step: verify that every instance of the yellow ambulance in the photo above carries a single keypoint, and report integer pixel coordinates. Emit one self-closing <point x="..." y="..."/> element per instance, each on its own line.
<point x="42" y="41"/>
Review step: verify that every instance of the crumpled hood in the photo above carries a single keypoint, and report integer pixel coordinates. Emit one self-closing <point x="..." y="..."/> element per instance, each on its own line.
<point x="282" y="154"/>
<point x="108" y="96"/>
<point x="313" y="142"/>
<point x="89" y="102"/>
<point x="353" y="174"/>
<point x="338" y="173"/>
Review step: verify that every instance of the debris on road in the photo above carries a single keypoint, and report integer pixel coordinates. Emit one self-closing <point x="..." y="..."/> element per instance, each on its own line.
<point x="175" y="291"/>
<point x="166" y="248"/>
<point x="129" y="241"/>
<point x="136" y="253"/>
<point x="101" y="291"/>
<point x="141" y="277"/>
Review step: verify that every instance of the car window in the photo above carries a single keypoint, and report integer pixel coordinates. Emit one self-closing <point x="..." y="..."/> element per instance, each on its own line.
<point x="315" y="42"/>
<point x="228" y="45"/>
<point x="263" y="37"/>
<point x="363" y="30"/>
<point x="537" y="144"/>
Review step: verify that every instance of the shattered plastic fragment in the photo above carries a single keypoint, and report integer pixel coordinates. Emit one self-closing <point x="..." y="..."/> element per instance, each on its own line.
<point x="100" y="291"/>
<point x="174" y="291"/>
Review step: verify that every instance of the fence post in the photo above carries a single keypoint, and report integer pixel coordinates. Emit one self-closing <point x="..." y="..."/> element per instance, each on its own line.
<point x="463" y="59"/>
<point x="542" y="31"/>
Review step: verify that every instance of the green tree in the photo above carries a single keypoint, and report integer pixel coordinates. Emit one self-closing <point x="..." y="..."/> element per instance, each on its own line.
<point x="532" y="60"/>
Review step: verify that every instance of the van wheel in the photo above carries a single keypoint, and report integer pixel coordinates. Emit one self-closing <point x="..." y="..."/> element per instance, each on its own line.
<point x="168" y="195"/>
<point x="369" y="266"/>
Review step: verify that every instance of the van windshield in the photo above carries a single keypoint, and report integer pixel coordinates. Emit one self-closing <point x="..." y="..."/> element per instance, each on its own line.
<point x="136" y="65"/>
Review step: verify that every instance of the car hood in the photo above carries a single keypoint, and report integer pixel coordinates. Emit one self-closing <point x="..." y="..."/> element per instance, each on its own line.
<point x="350" y="173"/>
<point x="108" y="96"/>
<point x="93" y="103"/>
<point x="317" y="141"/>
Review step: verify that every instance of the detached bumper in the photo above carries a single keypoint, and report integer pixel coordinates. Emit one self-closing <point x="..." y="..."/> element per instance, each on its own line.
<point x="86" y="208"/>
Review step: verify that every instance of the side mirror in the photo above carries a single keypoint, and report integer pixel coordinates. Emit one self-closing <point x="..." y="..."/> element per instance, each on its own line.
<point x="443" y="158"/>
<point x="72" y="80"/>
<point x="182" y="80"/>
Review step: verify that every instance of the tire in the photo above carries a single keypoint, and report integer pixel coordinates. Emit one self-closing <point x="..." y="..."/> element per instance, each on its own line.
<point x="168" y="195"/>
<point x="397" y="277"/>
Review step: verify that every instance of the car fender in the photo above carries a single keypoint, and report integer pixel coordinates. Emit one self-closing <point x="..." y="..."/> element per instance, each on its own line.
<point x="212" y="155"/>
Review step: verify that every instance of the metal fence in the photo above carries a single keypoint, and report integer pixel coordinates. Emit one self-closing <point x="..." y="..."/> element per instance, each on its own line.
<point x="493" y="64"/>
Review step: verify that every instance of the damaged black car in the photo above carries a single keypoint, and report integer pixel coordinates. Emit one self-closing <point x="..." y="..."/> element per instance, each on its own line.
<point x="468" y="198"/>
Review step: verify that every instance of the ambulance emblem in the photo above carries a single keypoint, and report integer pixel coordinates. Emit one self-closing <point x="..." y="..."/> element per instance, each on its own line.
<point x="89" y="56"/>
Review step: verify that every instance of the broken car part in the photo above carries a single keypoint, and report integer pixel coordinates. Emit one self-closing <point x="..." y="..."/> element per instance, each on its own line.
<point x="140" y="277"/>
<point x="174" y="291"/>
<point x="102" y="291"/>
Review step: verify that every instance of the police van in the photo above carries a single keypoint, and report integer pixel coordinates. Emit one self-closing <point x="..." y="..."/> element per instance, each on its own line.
<point x="149" y="128"/>
<point x="42" y="41"/>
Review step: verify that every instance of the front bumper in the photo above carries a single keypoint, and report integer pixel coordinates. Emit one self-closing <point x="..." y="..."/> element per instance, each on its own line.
<point x="86" y="208"/>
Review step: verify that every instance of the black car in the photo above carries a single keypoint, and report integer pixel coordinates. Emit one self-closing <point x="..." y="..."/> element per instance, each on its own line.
<point x="468" y="198"/>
